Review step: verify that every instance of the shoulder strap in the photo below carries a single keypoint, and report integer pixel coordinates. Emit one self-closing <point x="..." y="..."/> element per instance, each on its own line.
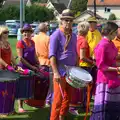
<point x="32" y="43"/>
<point x="23" y="43"/>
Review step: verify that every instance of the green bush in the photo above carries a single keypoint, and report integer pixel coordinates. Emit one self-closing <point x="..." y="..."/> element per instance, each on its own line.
<point x="32" y="13"/>
<point x="112" y="17"/>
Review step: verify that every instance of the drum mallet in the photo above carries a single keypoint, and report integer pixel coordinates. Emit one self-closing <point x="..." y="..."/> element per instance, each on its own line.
<point x="61" y="90"/>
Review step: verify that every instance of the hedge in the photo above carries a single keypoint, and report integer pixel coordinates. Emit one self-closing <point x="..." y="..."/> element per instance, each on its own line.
<point x="32" y="13"/>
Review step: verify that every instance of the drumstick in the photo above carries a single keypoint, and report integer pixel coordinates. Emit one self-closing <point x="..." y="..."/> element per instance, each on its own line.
<point x="61" y="90"/>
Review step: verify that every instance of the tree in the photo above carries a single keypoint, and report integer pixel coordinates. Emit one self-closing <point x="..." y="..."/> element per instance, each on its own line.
<point x="1" y="3"/>
<point x="33" y="13"/>
<point x="41" y="1"/>
<point x="112" y="17"/>
<point x="79" y="5"/>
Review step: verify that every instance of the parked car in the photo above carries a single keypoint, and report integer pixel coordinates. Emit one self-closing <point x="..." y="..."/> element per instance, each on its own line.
<point x="13" y="28"/>
<point x="12" y="21"/>
<point x="34" y="25"/>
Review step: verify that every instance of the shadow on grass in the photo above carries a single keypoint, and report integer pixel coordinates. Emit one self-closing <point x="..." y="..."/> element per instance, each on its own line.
<point x="40" y="114"/>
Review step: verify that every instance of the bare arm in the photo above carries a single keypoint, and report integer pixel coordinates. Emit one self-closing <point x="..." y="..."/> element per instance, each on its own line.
<point x="54" y="65"/>
<point x="84" y="58"/>
<point x="13" y="58"/>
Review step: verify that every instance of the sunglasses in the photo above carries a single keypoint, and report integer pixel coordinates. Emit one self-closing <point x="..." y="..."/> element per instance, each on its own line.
<point x="6" y="32"/>
<point x="68" y="20"/>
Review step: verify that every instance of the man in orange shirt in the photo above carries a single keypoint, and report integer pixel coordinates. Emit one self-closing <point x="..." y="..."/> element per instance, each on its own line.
<point x="116" y="41"/>
<point x="42" y="50"/>
<point x="42" y="45"/>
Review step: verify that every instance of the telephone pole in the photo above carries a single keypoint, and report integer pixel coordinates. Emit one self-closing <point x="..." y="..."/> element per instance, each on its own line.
<point x="95" y="8"/>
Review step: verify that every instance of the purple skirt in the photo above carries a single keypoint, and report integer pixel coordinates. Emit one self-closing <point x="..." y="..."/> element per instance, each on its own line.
<point x="107" y="103"/>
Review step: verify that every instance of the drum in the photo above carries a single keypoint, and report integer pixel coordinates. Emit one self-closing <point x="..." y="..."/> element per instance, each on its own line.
<point x="76" y="97"/>
<point x="41" y="87"/>
<point x="7" y="91"/>
<point x="24" y="87"/>
<point x="78" y="77"/>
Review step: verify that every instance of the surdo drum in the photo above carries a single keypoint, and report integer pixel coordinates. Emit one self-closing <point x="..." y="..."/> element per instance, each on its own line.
<point x="78" y="77"/>
<point x="7" y="91"/>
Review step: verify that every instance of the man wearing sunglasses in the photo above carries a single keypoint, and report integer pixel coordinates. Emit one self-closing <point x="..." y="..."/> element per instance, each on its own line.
<point x="62" y="52"/>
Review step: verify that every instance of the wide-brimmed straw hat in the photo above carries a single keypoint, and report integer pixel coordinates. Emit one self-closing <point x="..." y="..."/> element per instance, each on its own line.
<point x="92" y="19"/>
<point x="67" y="14"/>
<point x="27" y="27"/>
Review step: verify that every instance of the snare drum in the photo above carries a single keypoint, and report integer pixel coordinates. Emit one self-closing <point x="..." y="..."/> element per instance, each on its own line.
<point x="78" y="77"/>
<point x="24" y="87"/>
<point x="41" y="87"/>
<point x="7" y="91"/>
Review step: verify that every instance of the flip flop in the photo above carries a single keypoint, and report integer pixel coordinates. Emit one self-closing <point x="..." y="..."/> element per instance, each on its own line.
<point x="21" y="110"/>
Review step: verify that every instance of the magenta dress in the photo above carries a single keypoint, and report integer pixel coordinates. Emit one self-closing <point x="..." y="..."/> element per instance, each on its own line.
<point x="107" y="96"/>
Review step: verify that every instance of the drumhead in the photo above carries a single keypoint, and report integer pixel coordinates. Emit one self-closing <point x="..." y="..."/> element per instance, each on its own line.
<point x="80" y="73"/>
<point x="9" y="76"/>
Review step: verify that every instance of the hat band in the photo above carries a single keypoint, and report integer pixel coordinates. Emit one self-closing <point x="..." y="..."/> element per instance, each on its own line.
<point x="67" y="14"/>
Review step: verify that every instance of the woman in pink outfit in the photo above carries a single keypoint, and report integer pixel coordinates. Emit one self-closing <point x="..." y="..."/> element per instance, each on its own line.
<point x="107" y="97"/>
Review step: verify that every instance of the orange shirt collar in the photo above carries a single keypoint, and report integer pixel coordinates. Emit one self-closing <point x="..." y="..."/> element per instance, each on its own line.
<point x="63" y="30"/>
<point x="27" y="41"/>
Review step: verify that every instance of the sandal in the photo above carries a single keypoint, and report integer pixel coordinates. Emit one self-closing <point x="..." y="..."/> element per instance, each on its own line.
<point x="3" y="116"/>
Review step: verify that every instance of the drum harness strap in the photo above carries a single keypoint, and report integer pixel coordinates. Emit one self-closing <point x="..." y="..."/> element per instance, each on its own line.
<point x="89" y="87"/>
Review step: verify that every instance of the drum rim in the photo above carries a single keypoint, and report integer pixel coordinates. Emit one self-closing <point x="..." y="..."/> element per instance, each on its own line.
<point x="75" y="85"/>
<point x="70" y="73"/>
<point x="11" y="79"/>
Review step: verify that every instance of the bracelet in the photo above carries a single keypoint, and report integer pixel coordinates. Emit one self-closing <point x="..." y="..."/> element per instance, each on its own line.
<point x="117" y="69"/>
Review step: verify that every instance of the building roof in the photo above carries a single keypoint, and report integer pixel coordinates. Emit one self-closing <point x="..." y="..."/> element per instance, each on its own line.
<point x="59" y="7"/>
<point x="91" y="13"/>
<point x="13" y="2"/>
<point x="65" y="2"/>
<point x="104" y="2"/>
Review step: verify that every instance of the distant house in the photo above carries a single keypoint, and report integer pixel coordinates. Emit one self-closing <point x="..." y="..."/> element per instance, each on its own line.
<point x="85" y="15"/>
<point x="15" y="2"/>
<point x="57" y="8"/>
<point x="105" y="7"/>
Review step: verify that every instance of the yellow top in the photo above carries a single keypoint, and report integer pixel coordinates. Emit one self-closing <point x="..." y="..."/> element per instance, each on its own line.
<point x="93" y="39"/>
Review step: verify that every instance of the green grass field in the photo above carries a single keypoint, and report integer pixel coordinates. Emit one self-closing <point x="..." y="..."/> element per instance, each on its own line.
<point x="34" y="114"/>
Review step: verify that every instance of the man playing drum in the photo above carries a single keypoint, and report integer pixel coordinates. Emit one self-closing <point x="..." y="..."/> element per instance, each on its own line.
<point x="62" y="52"/>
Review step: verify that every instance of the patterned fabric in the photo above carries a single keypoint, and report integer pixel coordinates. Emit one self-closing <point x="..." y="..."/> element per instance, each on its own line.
<point x="107" y="103"/>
